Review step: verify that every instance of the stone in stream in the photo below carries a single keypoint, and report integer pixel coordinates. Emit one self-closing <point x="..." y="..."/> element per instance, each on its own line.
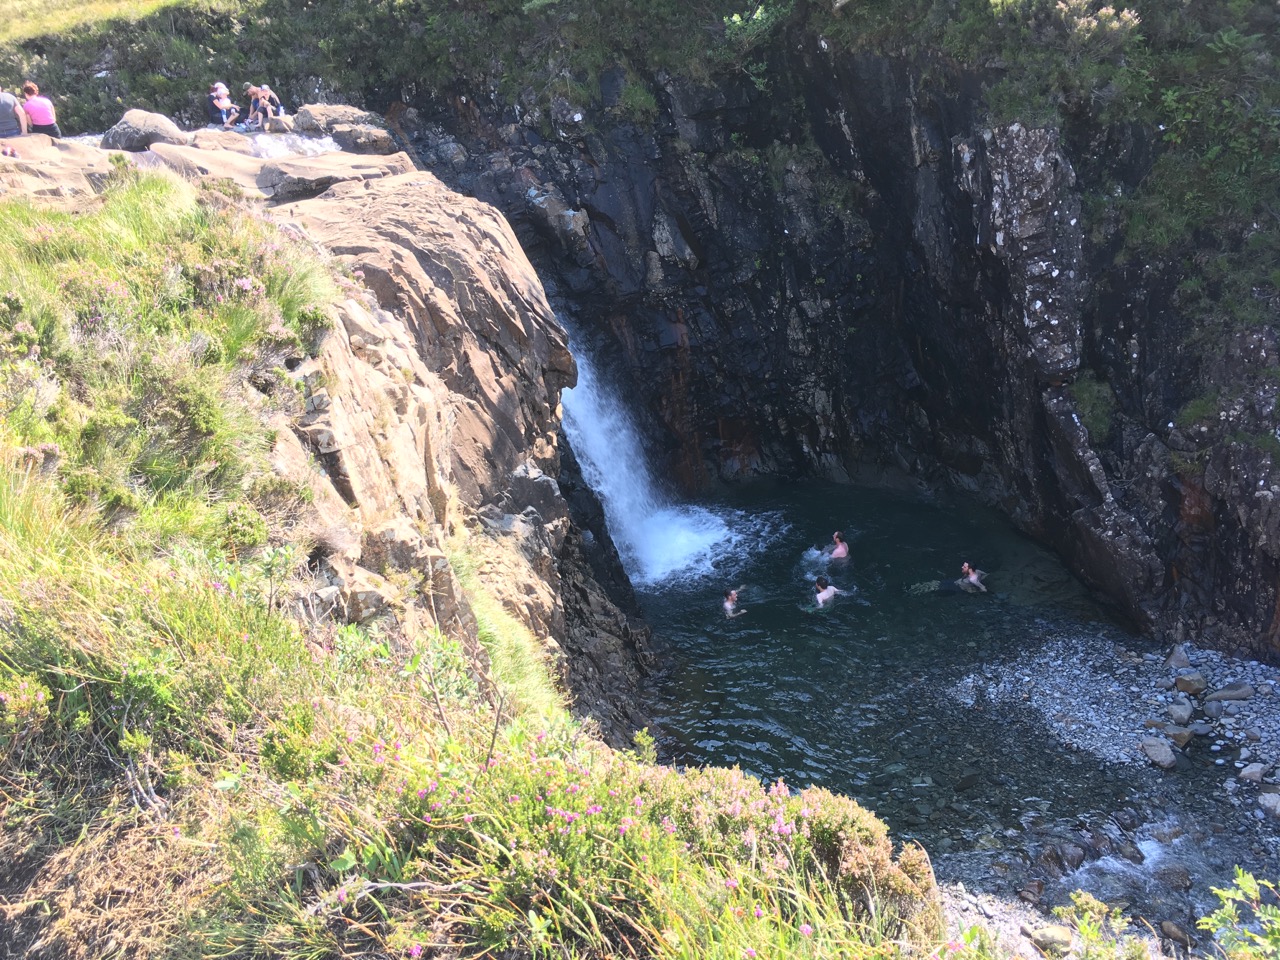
<point x="1180" y="711"/>
<point x="1159" y="752"/>
<point x="1270" y="804"/>
<point x="1192" y="682"/>
<point x="1253" y="772"/>
<point x="1171" y="931"/>
<point x="968" y="781"/>
<point x="1179" y="735"/>
<point x="1214" y="709"/>
<point x="1232" y="691"/>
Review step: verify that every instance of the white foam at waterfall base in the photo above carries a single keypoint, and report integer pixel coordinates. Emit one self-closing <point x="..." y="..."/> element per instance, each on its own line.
<point x="657" y="538"/>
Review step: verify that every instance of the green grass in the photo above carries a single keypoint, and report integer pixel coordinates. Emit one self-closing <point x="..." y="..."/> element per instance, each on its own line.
<point x="24" y="19"/>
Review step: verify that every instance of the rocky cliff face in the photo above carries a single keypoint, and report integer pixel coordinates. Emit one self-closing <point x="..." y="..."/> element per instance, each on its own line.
<point x="431" y="409"/>
<point x="853" y="269"/>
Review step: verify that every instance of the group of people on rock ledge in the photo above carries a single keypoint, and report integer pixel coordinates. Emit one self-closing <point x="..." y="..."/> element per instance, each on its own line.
<point x="224" y="112"/>
<point x="33" y="114"/>
<point x="969" y="581"/>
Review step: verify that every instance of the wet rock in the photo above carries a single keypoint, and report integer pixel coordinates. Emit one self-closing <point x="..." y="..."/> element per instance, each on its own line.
<point x="1159" y="752"/>
<point x="1178" y="659"/>
<point x="1253" y="772"/>
<point x="1232" y="691"/>
<point x="1181" y="736"/>
<point x="1172" y="931"/>
<point x="1270" y="804"/>
<point x="1131" y="852"/>
<point x="1174" y="875"/>
<point x="1214" y="709"/>
<point x="1073" y="855"/>
<point x="1180" y="712"/>
<point x="1192" y="682"/>
<point x="1032" y="891"/>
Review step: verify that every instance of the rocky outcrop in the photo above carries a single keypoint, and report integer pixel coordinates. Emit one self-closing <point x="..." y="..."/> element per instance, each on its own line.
<point x="433" y="411"/>
<point x="430" y="420"/>
<point x="281" y="180"/>
<point x="855" y="270"/>
<point x="138" y="130"/>
<point x="54" y="171"/>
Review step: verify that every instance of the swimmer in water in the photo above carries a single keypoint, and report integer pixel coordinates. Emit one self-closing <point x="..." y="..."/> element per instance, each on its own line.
<point x="824" y="591"/>
<point x="731" y="604"/>
<point x="971" y="579"/>
<point x="841" y="549"/>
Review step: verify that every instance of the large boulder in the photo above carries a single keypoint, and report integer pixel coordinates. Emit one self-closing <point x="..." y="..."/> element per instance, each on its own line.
<point x="363" y="138"/>
<point x="138" y="130"/>
<point x="322" y="118"/>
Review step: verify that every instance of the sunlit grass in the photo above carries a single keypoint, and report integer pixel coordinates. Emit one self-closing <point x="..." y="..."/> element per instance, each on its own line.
<point x="23" y="19"/>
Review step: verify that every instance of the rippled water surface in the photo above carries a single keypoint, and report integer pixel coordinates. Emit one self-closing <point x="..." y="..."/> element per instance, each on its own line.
<point x="874" y="696"/>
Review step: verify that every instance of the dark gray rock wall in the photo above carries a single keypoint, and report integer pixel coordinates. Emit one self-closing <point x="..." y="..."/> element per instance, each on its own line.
<point x="853" y="268"/>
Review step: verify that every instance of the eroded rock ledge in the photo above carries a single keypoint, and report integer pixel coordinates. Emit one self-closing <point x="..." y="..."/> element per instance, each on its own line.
<point x="431" y="407"/>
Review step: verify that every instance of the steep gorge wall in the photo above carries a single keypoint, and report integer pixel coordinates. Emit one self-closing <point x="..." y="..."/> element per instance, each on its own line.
<point x="853" y="269"/>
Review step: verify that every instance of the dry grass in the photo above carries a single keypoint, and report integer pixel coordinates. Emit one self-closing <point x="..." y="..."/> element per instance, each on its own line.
<point x="23" y="19"/>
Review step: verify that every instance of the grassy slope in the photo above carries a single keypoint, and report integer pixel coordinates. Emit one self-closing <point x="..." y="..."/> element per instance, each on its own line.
<point x="24" y="19"/>
<point x="264" y="787"/>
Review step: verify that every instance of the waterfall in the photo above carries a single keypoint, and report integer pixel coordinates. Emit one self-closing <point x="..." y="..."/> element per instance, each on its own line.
<point x="656" y="537"/>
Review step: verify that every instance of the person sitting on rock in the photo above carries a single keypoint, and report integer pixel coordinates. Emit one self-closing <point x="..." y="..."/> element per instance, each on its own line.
<point x="222" y="112"/>
<point x="824" y="591"/>
<point x="40" y="112"/>
<point x="13" y="119"/>
<point x="270" y="101"/>
<point x="259" y="108"/>
<point x="971" y="579"/>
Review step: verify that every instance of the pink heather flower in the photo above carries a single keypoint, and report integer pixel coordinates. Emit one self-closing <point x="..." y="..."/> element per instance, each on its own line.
<point x="731" y="884"/>
<point x="759" y="913"/>
<point x="806" y="930"/>
<point x="954" y="945"/>
<point x="514" y="798"/>
<point x="415" y="950"/>
<point x="467" y="818"/>
<point x="342" y="894"/>
<point x="748" y="953"/>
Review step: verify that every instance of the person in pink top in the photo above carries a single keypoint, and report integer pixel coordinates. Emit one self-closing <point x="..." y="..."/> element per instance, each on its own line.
<point x="44" y="119"/>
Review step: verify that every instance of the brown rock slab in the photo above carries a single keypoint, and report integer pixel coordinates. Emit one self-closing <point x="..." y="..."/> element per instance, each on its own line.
<point x="53" y="172"/>
<point x="363" y="138"/>
<point x="1192" y="682"/>
<point x="212" y="139"/>
<point x="1232" y="691"/>
<point x="322" y="118"/>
